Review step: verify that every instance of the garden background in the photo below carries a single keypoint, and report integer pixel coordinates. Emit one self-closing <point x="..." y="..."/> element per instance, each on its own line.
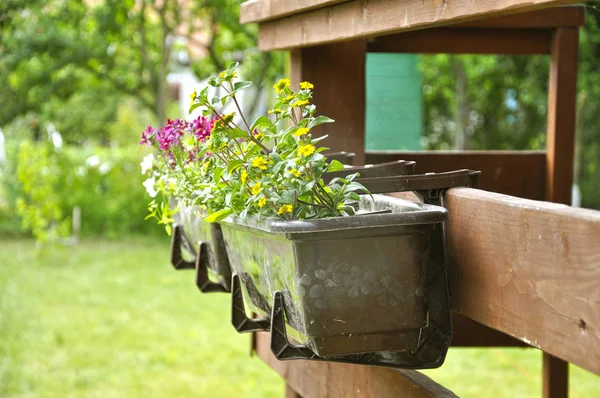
<point x="95" y="310"/>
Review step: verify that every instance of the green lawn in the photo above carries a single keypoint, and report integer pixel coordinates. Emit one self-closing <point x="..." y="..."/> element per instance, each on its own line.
<point x="112" y="319"/>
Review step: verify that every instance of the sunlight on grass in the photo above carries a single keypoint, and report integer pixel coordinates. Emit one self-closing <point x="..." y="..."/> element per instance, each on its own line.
<point x="112" y="319"/>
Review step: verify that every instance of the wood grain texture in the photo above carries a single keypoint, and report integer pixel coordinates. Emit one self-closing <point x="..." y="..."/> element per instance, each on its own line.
<point x="316" y="379"/>
<point x="364" y="18"/>
<point x="449" y="40"/>
<point x="529" y="269"/>
<point x="510" y="172"/>
<point x="338" y="73"/>
<point x="573" y="15"/>
<point x="562" y="97"/>
<point x="263" y="10"/>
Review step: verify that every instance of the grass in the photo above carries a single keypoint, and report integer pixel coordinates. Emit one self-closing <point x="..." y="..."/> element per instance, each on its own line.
<point x="111" y="319"/>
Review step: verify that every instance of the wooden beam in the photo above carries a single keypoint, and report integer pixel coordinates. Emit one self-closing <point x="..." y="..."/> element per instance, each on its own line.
<point x="546" y="18"/>
<point x="517" y="173"/>
<point x="562" y="95"/>
<point x="316" y="379"/>
<point x="529" y="269"/>
<point x="262" y="10"/>
<point x="449" y="40"/>
<point x="362" y="18"/>
<point x="338" y="73"/>
<point x="265" y="10"/>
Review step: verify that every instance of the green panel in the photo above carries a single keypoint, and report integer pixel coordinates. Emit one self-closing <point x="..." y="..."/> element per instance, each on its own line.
<point x="394" y="107"/>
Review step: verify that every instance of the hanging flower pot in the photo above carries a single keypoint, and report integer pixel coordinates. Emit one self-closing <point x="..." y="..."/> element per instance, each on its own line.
<point x="204" y="243"/>
<point x="350" y="284"/>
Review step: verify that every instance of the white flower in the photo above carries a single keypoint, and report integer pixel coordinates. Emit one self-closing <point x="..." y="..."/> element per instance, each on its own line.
<point x="149" y="184"/>
<point x="147" y="163"/>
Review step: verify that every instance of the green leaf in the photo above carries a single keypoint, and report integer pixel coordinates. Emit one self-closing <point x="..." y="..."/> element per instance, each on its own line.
<point x="194" y="106"/>
<point x="320" y="120"/>
<point x="252" y="152"/>
<point x="234" y="165"/>
<point x="335" y="165"/>
<point x="263" y="121"/>
<point x="217" y="174"/>
<point x="241" y="85"/>
<point x="232" y="66"/>
<point x="218" y="215"/>
<point x="236" y="133"/>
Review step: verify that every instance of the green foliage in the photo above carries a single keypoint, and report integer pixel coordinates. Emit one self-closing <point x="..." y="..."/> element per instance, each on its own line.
<point x="57" y="58"/>
<point x="39" y="207"/>
<point x="105" y="183"/>
<point x="267" y="168"/>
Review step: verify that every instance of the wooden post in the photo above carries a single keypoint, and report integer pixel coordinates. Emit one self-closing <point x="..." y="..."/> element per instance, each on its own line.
<point x="562" y="98"/>
<point x="555" y="377"/>
<point x="290" y="392"/>
<point x="562" y="92"/>
<point x="338" y="73"/>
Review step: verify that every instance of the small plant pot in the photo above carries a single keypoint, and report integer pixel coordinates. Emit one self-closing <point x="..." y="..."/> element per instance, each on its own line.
<point x="204" y="242"/>
<point x="350" y="285"/>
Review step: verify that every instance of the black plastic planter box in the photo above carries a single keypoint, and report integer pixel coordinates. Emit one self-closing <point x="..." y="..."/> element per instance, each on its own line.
<point x="205" y="243"/>
<point x="350" y="285"/>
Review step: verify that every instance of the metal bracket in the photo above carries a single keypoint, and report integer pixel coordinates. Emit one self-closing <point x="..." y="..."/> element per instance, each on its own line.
<point x="177" y="240"/>
<point x="239" y="320"/>
<point x="202" y="280"/>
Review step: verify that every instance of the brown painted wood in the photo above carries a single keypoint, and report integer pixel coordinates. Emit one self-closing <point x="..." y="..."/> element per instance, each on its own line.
<point x="316" y="379"/>
<point x="264" y="10"/>
<point x="338" y="73"/>
<point x="562" y="94"/>
<point x="547" y="18"/>
<point x="468" y="333"/>
<point x="554" y="382"/>
<point x="450" y="40"/>
<point x="362" y="18"/>
<point x="261" y="10"/>
<point x="529" y="269"/>
<point x="517" y="173"/>
<point x="290" y="393"/>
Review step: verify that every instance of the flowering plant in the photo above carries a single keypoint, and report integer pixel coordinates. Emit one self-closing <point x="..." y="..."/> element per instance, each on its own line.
<point x="268" y="168"/>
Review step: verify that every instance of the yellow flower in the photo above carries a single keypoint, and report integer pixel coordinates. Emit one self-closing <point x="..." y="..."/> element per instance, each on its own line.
<point x="285" y="209"/>
<point x="223" y="74"/>
<point x="301" y="103"/>
<point x="306" y="86"/>
<point x="294" y="172"/>
<point x="193" y="97"/>
<point x="261" y="202"/>
<point x="289" y="98"/>
<point x="223" y="145"/>
<point x="259" y="162"/>
<point x="259" y="136"/>
<point x="306" y="150"/>
<point x="206" y="164"/>
<point x="234" y="74"/>
<point x="301" y="131"/>
<point x="256" y="188"/>
<point x="244" y="176"/>
<point x="281" y="85"/>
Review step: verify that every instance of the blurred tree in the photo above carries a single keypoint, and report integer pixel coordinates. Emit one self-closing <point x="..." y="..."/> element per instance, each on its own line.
<point x="78" y="59"/>
<point x="499" y="102"/>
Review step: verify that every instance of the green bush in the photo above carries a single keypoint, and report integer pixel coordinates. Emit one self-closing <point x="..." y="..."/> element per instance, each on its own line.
<point x="105" y="183"/>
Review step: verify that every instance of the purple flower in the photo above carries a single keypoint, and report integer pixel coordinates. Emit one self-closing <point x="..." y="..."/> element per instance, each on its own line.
<point x="201" y="127"/>
<point x="168" y="136"/>
<point x="148" y="136"/>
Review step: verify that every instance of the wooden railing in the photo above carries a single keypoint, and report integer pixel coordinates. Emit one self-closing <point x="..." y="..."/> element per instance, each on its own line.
<point x="521" y="271"/>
